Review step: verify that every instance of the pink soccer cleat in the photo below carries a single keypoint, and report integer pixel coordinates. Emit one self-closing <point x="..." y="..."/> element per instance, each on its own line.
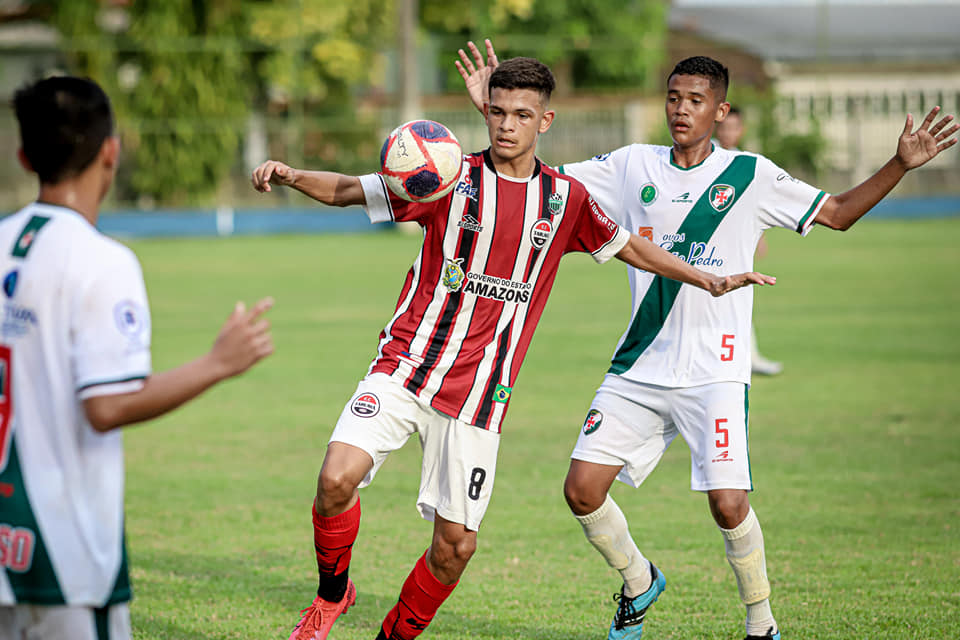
<point x="319" y="617"/>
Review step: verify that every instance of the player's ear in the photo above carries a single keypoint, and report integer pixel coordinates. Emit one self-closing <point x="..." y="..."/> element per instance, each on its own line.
<point x="722" y="110"/>
<point x="24" y="161"/>
<point x="110" y="152"/>
<point x="546" y="120"/>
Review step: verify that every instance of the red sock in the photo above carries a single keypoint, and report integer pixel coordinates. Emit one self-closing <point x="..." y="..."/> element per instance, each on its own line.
<point x="333" y="540"/>
<point x="421" y="596"/>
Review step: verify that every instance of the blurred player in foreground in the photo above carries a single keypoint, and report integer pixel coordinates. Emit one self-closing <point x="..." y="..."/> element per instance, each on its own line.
<point x="728" y="134"/>
<point x="448" y="359"/>
<point x="74" y="368"/>
<point x="682" y="365"/>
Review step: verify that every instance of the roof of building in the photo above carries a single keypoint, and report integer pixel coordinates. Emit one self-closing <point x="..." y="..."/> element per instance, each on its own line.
<point x="828" y="30"/>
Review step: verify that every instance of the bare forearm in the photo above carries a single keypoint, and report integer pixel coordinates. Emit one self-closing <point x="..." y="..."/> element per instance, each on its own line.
<point x="843" y="210"/>
<point x="161" y="393"/>
<point x="328" y="187"/>
<point x="645" y="255"/>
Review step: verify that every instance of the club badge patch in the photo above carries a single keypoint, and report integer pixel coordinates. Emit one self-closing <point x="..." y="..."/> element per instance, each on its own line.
<point x="131" y="318"/>
<point x="540" y="233"/>
<point x="592" y="423"/>
<point x="648" y="193"/>
<point x="366" y="405"/>
<point x="555" y="203"/>
<point x="453" y="275"/>
<point x="721" y="196"/>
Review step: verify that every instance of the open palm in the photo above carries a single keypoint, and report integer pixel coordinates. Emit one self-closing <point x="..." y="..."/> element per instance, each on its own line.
<point x="918" y="147"/>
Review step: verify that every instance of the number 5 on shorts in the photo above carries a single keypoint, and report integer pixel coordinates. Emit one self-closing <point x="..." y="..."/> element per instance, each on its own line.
<point x="721" y="431"/>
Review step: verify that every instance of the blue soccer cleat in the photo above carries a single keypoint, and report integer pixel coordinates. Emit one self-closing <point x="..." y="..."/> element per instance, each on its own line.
<point x="628" y="621"/>
<point x="769" y="635"/>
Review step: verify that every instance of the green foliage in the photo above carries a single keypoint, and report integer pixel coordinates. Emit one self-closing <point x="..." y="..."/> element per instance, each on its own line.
<point x="590" y="44"/>
<point x="184" y="76"/>
<point x="177" y="79"/>
<point x="800" y="153"/>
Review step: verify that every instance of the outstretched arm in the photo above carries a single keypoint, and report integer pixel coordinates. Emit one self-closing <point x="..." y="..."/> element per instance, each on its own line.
<point x="243" y="341"/>
<point x="476" y="77"/>
<point x="645" y="255"/>
<point x="914" y="149"/>
<point x="325" y="186"/>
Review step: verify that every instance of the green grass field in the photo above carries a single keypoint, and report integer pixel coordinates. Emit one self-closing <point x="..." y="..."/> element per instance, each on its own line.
<point x="855" y="451"/>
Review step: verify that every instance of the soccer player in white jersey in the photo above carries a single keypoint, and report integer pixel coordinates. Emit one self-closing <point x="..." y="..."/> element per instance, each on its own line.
<point x="74" y="367"/>
<point x="448" y="359"/>
<point x="683" y="364"/>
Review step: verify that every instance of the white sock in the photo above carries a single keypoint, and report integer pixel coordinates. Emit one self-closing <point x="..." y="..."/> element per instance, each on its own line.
<point x="606" y="529"/>
<point x="744" y="545"/>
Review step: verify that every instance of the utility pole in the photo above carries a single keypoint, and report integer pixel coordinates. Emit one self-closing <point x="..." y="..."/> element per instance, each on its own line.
<point x="409" y="89"/>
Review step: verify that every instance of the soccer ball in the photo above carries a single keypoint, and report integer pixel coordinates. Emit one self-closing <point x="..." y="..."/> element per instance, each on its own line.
<point x="421" y="160"/>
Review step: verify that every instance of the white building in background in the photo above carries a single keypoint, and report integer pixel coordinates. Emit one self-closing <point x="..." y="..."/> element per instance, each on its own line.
<point x="857" y="66"/>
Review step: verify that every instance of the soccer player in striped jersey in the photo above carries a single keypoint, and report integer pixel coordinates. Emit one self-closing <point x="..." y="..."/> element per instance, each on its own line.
<point x="75" y="367"/>
<point x="683" y="364"/>
<point x="448" y="359"/>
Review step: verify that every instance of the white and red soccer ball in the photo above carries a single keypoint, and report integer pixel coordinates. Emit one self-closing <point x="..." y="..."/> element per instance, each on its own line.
<point x="421" y="161"/>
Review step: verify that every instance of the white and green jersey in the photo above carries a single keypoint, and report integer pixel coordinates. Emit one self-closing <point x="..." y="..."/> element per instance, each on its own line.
<point x="710" y="215"/>
<point x="75" y="324"/>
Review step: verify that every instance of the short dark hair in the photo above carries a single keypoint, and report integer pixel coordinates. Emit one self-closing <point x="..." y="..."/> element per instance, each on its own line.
<point x="524" y="73"/>
<point x="705" y="67"/>
<point x="63" y="123"/>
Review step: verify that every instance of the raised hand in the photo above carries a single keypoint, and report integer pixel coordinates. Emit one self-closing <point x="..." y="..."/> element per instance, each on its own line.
<point x="476" y="76"/>
<point x="244" y="339"/>
<point x="916" y="148"/>
<point x="726" y="284"/>
<point x="272" y="172"/>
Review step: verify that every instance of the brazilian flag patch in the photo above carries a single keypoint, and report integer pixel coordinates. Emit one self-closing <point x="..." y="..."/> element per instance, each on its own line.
<point x="502" y="393"/>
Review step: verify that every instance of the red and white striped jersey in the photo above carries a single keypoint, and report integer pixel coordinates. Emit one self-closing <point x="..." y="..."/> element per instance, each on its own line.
<point x="473" y="297"/>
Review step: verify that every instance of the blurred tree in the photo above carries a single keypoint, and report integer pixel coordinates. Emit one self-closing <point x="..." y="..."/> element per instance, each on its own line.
<point x="314" y="58"/>
<point x="800" y="153"/>
<point x="185" y="75"/>
<point x="178" y="80"/>
<point x="595" y="44"/>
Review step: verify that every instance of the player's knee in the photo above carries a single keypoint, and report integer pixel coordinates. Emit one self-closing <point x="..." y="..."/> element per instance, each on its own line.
<point x="453" y="552"/>
<point x="582" y="498"/>
<point x="335" y="489"/>
<point x="729" y="507"/>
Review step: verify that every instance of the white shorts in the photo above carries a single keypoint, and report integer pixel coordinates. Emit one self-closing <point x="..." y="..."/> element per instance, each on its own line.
<point x="41" y="622"/>
<point x="632" y="424"/>
<point x="459" y="459"/>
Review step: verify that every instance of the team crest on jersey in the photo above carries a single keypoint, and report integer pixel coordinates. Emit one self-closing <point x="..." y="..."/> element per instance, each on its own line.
<point x="721" y="196"/>
<point x="366" y="405"/>
<point x="648" y="193"/>
<point x="10" y="283"/>
<point x="26" y="240"/>
<point x="453" y="275"/>
<point x="131" y="319"/>
<point x="592" y="423"/>
<point x="540" y="233"/>
<point x="555" y="202"/>
<point x="502" y="393"/>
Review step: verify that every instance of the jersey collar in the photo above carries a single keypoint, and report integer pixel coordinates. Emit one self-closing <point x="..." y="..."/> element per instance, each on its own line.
<point x="487" y="160"/>
<point x="673" y="164"/>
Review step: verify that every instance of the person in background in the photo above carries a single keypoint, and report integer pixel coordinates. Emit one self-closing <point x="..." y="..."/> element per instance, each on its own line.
<point x="728" y="134"/>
